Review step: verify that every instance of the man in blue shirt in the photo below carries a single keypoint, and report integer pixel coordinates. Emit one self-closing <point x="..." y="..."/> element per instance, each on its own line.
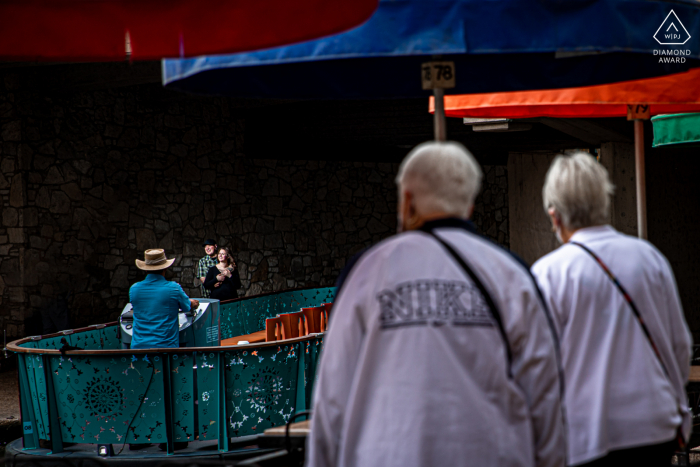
<point x="156" y="302"/>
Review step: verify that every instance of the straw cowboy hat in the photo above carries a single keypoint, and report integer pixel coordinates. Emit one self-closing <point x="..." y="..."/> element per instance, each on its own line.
<point x="155" y="260"/>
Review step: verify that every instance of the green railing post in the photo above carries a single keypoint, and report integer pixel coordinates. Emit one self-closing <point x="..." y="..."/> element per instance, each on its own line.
<point x="30" y="432"/>
<point x="54" y="423"/>
<point x="221" y="402"/>
<point x="34" y="403"/>
<point x="169" y="429"/>
<point x="313" y="360"/>
<point x="301" y="383"/>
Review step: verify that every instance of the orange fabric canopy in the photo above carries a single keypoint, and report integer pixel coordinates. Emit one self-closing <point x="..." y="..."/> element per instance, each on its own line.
<point x="676" y="93"/>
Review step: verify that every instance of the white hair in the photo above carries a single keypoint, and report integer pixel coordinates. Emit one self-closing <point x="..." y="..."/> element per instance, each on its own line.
<point x="579" y="190"/>
<point x="443" y="177"/>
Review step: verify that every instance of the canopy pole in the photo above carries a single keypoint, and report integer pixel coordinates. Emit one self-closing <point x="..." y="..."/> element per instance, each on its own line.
<point x="640" y="179"/>
<point x="439" y="116"/>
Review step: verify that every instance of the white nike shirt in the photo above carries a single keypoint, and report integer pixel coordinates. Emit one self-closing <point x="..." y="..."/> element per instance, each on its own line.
<point x="617" y="395"/>
<point x="414" y="368"/>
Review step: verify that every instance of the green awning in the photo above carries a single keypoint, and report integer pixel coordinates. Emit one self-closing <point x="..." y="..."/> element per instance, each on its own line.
<point x="676" y="129"/>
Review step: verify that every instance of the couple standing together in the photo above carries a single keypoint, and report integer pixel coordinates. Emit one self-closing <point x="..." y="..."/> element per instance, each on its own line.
<point x="218" y="273"/>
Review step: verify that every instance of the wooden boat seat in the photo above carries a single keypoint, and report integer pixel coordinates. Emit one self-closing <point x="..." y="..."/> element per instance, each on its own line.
<point x="325" y="316"/>
<point x="302" y="323"/>
<point x="294" y="325"/>
<point x="274" y="330"/>
<point x="312" y="316"/>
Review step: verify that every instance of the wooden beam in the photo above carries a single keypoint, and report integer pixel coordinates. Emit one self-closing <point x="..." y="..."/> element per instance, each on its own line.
<point x="588" y="131"/>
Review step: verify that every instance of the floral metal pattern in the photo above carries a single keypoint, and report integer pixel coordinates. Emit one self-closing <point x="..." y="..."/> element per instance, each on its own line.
<point x="119" y="399"/>
<point x="96" y="339"/>
<point x="110" y="400"/>
<point x="208" y="388"/>
<point x="261" y="388"/>
<point x="124" y="398"/>
<point x="102" y="396"/>
<point x="181" y="393"/>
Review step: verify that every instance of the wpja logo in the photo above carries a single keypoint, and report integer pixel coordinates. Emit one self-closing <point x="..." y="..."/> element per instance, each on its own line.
<point x="672" y="32"/>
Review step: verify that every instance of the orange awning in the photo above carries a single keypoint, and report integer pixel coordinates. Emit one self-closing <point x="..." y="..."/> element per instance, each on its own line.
<point x="676" y="93"/>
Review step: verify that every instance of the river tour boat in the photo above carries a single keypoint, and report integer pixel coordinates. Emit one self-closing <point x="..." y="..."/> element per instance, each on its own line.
<point x="243" y="366"/>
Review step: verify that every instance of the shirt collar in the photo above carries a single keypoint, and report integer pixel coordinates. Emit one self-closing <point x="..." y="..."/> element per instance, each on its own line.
<point x="155" y="277"/>
<point x="454" y="222"/>
<point x="597" y="232"/>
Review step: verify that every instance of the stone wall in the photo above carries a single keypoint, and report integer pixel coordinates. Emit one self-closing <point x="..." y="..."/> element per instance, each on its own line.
<point x="90" y="180"/>
<point x="491" y="206"/>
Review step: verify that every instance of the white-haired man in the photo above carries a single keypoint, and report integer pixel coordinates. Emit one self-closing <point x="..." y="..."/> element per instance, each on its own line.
<point x="439" y="352"/>
<point x="624" y="341"/>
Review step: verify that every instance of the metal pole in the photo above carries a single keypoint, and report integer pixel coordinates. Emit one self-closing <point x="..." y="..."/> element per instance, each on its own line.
<point x="439" y="116"/>
<point x="640" y="179"/>
<point x="167" y="403"/>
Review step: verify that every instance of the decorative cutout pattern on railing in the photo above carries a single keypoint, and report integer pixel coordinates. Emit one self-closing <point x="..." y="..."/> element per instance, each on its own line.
<point x="261" y="388"/>
<point x="99" y="396"/>
<point x="208" y="371"/>
<point x="105" y="338"/>
<point x="246" y="316"/>
<point x="120" y="397"/>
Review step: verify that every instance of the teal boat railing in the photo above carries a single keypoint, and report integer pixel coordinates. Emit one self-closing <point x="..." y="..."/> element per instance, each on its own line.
<point x="247" y="315"/>
<point x="105" y="395"/>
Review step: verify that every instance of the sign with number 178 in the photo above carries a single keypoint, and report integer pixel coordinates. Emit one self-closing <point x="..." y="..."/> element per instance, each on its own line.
<point x="439" y="75"/>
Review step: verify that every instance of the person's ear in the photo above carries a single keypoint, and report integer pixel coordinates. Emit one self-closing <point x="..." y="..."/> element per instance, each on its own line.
<point x="554" y="217"/>
<point x="411" y="218"/>
<point x="403" y="207"/>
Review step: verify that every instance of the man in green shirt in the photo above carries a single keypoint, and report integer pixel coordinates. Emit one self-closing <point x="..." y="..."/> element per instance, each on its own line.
<point x="207" y="261"/>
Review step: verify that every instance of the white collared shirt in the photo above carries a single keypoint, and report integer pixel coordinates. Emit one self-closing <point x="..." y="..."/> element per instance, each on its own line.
<point x="414" y="369"/>
<point x="617" y="395"/>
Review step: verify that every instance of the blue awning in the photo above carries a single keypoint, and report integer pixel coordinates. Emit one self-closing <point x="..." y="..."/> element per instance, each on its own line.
<point x="497" y="45"/>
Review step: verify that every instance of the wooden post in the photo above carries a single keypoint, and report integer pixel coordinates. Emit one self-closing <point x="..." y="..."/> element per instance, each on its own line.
<point x="439" y="116"/>
<point x="639" y="113"/>
<point x="438" y="76"/>
<point x="640" y="179"/>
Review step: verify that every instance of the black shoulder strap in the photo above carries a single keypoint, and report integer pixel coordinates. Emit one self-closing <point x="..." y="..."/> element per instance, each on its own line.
<point x="484" y="293"/>
<point x="679" y="434"/>
<point x="628" y="299"/>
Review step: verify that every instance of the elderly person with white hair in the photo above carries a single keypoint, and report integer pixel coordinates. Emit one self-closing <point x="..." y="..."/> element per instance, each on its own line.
<point x="439" y="351"/>
<point x="624" y="340"/>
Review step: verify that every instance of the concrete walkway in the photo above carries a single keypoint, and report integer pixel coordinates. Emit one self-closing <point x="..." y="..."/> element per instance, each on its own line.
<point x="9" y="395"/>
<point x="10" y="427"/>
